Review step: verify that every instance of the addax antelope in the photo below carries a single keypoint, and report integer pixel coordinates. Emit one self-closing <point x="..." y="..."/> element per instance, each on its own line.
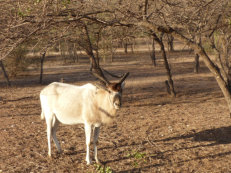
<point x="89" y="104"/>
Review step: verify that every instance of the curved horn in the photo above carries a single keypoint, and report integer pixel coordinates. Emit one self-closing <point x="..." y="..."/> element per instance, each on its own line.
<point x="97" y="72"/>
<point x="124" y="77"/>
<point x="113" y="75"/>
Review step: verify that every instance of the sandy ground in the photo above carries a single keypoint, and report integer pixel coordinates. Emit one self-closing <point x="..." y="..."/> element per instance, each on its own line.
<point x="153" y="133"/>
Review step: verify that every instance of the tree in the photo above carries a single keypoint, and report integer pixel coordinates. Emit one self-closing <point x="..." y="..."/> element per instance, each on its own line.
<point x="5" y="73"/>
<point x="186" y="20"/>
<point x="39" y="20"/>
<point x="170" y="42"/>
<point x="183" y="19"/>
<point x="153" y="52"/>
<point x="209" y="19"/>
<point x="169" y="82"/>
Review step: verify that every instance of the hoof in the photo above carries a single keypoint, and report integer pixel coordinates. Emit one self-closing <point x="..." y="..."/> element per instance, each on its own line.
<point x="60" y="151"/>
<point x="98" y="161"/>
<point x="88" y="162"/>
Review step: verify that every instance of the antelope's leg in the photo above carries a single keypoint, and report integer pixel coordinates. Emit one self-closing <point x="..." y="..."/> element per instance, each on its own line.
<point x="88" y="140"/>
<point x="96" y="135"/>
<point x="53" y="133"/>
<point x="49" y="128"/>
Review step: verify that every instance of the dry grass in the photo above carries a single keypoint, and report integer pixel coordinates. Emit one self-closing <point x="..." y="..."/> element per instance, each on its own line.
<point x="154" y="132"/>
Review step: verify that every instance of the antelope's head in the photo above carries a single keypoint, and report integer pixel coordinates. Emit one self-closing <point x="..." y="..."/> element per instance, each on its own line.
<point x="114" y="90"/>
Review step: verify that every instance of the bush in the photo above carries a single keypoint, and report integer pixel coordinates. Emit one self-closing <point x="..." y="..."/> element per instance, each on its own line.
<point x="17" y="61"/>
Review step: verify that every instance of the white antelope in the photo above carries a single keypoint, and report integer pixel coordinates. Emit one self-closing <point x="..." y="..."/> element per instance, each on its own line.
<point x="91" y="105"/>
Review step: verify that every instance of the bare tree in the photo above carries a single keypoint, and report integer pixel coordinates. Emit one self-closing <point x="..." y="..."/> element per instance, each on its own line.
<point x="187" y="19"/>
<point x="170" y="42"/>
<point x="5" y="73"/>
<point x="41" y="20"/>
<point x="169" y="83"/>
<point x="197" y="63"/>
<point x="183" y="19"/>
<point x="153" y="51"/>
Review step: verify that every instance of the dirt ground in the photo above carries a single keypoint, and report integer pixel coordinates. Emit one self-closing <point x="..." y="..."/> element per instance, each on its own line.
<point x="153" y="133"/>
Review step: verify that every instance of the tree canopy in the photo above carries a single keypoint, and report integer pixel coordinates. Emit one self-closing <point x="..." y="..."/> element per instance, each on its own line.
<point x="203" y="24"/>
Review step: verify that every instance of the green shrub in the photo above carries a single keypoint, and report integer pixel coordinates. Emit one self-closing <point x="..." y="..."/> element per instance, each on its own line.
<point x="103" y="169"/>
<point x="138" y="157"/>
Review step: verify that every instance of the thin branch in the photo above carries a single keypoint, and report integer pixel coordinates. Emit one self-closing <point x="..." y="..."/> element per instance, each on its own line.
<point x="20" y="41"/>
<point x="215" y="27"/>
<point x="170" y="3"/>
<point x="145" y="9"/>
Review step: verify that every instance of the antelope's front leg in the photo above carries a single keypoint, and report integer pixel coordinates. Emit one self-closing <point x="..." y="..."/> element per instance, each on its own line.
<point x="88" y="140"/>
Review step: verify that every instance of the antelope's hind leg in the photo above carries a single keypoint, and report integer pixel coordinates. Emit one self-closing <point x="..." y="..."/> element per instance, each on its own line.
<point x="53" y="133"/>
<point x="49" y="130"/>
<point x="95" y="141"/>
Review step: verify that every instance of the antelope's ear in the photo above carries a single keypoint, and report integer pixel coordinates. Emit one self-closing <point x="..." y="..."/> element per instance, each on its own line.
<point x="117" y="87"/>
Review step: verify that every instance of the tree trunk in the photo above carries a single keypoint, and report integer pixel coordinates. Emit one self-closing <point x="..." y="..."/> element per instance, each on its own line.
<point x="125" y="47"/>
<point x="211" y="66"/>
<point x="169" y="83"/>
<point x="153" y="52"/>
<point x="217" y="74"/>
<point x="132" y="47"/>
<point x="170" y="43"/>
<point x="5" y="73"/>
<point x="111" y="51"/>
<point x="197" y="64"/>
<point x="41" y="67"/>
<point x="76" y="56"/>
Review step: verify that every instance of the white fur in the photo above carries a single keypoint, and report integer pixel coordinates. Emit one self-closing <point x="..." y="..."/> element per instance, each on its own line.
<point x="70" y="104"/>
